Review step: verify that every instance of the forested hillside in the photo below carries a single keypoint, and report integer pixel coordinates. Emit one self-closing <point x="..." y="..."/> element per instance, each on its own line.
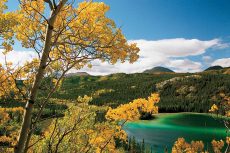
<point x="196" y="93"/>
<point x="179" y="92"/>
<point x="111" y="90"/>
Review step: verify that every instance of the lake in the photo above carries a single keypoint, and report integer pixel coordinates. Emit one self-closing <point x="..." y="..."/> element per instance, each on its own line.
<point x="166" y="128"/>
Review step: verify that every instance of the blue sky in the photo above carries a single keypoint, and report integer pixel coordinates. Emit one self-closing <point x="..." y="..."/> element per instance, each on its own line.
<point x="160" y="19"/>
<point x="199" y="27"/>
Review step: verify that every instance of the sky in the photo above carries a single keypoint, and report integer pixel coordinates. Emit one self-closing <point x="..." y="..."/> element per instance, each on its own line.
<point x="183" y="35"/>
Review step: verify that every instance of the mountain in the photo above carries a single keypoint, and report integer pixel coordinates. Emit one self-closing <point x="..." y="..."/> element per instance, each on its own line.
<point x="217" y="67"/>
<point x="77" y="74"/>
<point x="159" y="69"/>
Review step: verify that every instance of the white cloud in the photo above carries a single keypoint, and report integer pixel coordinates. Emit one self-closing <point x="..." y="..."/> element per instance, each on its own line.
<point x="224" y="62"/>
<point x="152" y="53"/>
<point x="17" y="57"/>
<point x="161" y="52"/>
<point x="178" y="47"/>
<point x="222" y="45"/>
<point x="185" y="65"/>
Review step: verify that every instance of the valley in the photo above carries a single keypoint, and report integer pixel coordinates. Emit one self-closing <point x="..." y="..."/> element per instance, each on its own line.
<point x="179" y="93"/>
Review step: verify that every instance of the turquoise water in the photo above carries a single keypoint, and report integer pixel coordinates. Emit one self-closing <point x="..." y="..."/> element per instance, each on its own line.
<point x="166" y="128"/>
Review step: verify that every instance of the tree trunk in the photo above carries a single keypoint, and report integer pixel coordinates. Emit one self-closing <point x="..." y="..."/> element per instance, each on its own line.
<point x="23" y="137"/>
<point x="29" y="105"/>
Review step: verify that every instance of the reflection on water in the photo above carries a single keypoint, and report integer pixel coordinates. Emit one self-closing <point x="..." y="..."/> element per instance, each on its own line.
<point x="166" y="128"/>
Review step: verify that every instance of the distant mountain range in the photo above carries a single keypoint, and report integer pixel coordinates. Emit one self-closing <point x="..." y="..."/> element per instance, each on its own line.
<point x="159" y="69"/>
<point x="211" y="69"/>
<point x="163" y="70"/>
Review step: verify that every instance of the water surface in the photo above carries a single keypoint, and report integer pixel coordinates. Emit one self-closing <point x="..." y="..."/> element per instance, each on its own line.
<point x="166" y="128"/>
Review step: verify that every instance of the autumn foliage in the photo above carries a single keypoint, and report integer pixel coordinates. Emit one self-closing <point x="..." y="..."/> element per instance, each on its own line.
<point x="132" y="111"/>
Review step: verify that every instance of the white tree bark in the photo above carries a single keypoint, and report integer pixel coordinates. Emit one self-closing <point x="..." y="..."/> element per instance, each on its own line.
<point x="20" y="148"/>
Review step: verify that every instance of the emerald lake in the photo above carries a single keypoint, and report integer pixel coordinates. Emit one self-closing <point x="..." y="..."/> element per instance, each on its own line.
<point x="166" y="128"/>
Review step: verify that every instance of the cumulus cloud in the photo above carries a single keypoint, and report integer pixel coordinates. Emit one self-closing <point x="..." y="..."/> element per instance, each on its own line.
<point x="178" y="47"/>
<point x="224" y="62"/>
<point x="17" y="57"/>
<point x="163" y="52"/>
<point x="185" y="65"/>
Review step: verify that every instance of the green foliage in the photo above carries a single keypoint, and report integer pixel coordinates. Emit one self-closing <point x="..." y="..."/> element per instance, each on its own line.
<point x="134" y="146"/>
<point x="194" y="94"/>
<point x="126" y="87"/>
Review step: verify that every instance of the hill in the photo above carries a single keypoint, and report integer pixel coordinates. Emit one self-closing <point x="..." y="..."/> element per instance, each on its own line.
<point x="158" y="69"/>
<point x="179" y="92"/>
<point x="217" y="67"/>
<point x="194" y="93"/>
<point x="77" y="74"/>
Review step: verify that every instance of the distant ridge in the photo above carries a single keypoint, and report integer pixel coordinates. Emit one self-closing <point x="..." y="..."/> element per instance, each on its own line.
<point x="159" y="69"/>
<point x="216" y="67"/>
<point x="77" y="74"/>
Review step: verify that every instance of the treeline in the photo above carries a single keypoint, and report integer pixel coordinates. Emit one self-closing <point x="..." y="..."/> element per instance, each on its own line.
<point x="194" y="94"/>
<point x="126" y="87"/>
<point x="134" y="146"/>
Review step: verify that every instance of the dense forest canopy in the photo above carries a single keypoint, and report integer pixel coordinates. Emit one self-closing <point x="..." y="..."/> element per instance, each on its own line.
<point x="195" y="93"/>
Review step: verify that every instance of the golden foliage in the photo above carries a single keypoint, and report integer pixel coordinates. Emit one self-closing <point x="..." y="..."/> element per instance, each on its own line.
<point x="103" y="137"/>
<point x="7" y="117"/>
<point x="214" y="108"/>
<point x="6" y="82"/>
<point x="77" y="131"/>
<point x="217" y="145"/>
<point x="79" y="35"/>
<point x="4" y="116"/>
<point x="132" y="111"/>
<point x="228" y="140"/>
<point x="8" y="22"/>
<point x="84" y="31"/>
<point x="181" y="146"/>
<point x="224" y="106"/>
<point x="10" y="77"/>
<point x="69" y="38"/>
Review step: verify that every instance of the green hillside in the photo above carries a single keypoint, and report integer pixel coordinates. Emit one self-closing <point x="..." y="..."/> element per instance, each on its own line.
<point x="179" y="92"/>
<point x="195" y="93"/>
<point x="125" y="87"/>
